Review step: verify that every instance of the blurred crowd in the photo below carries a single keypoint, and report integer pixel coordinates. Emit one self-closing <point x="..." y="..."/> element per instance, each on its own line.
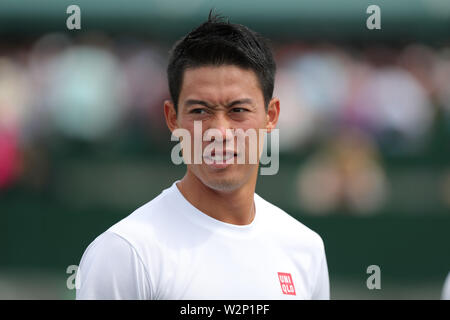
<point x="355" y="102"/>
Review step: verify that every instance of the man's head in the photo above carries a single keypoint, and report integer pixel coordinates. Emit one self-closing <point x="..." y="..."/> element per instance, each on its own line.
<point x="222" y="76"/>
<point x="218" y="43"/>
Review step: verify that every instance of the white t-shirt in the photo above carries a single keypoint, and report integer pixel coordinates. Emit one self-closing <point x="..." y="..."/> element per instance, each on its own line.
<point x="168" y="249"/>
<point x="446" y="289"/>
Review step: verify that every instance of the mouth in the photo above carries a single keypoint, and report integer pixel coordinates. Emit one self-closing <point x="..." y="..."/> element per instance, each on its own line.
<point x="220" y="160"/>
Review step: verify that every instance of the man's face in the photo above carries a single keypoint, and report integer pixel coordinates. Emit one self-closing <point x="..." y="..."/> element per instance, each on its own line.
<point x="224" y="98"/>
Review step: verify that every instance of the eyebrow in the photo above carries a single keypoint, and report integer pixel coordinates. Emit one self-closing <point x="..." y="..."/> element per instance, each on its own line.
<point x="240" y="101"/>
<point x="191" y="102"/>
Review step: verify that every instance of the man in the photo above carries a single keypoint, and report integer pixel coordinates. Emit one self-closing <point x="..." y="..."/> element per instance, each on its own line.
<point x="209" y="236"/>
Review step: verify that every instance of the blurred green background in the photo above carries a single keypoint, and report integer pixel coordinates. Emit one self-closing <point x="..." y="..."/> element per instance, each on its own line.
<point x="364" y="132"/>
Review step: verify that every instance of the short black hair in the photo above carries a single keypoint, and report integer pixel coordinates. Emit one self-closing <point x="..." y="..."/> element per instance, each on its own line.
<point x="218" y="42"/>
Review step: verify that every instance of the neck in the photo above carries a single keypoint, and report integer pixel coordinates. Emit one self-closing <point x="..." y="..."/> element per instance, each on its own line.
<point x="234" y="207"/>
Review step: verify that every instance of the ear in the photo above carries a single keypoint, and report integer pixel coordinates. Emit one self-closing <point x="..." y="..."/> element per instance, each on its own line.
<point x="171" y="115"/>
<point x="273" y="112"/>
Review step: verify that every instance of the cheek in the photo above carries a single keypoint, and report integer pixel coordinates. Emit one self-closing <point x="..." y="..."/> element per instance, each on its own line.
<point x="188" y="125"/>
<point x="255" y="121"/>
<point x="258" y="121"/>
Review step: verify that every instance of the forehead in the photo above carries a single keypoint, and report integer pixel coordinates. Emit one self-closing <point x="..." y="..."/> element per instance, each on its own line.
<point x="220" y="83"/>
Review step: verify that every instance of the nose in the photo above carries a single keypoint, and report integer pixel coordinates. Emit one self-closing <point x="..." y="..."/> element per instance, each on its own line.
<point x="219" y="125"/>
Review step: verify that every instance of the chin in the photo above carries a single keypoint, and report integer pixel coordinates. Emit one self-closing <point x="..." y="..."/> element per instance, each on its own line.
<point x="225" y="181"/>
<point x="223" y="184"/>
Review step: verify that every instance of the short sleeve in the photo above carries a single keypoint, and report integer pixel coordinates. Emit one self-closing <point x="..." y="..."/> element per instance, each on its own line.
<point x="111" y="269"/>
<point x="322" y="287"/>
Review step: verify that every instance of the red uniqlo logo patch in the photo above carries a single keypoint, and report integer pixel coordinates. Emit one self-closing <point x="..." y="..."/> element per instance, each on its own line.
<point x="287" y="285"/>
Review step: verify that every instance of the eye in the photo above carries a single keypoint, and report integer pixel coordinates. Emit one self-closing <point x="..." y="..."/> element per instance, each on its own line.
<point x="198" y="111"/>
<point x="239" y="110"/>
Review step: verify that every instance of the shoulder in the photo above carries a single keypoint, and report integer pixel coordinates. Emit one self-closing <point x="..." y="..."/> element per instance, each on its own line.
<point x="112" y="269"/>
<point x="120" y="257"/>
<point x="304" y="245"/>
<point x="284" y="226"/>
<point x="150" y="221"/>
<point x="105" y="247"/>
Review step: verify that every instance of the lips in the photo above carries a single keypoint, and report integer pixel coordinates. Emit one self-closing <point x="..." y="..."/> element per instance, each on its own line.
<point x="220" y="160"/>
<point x="226" y="155"/>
